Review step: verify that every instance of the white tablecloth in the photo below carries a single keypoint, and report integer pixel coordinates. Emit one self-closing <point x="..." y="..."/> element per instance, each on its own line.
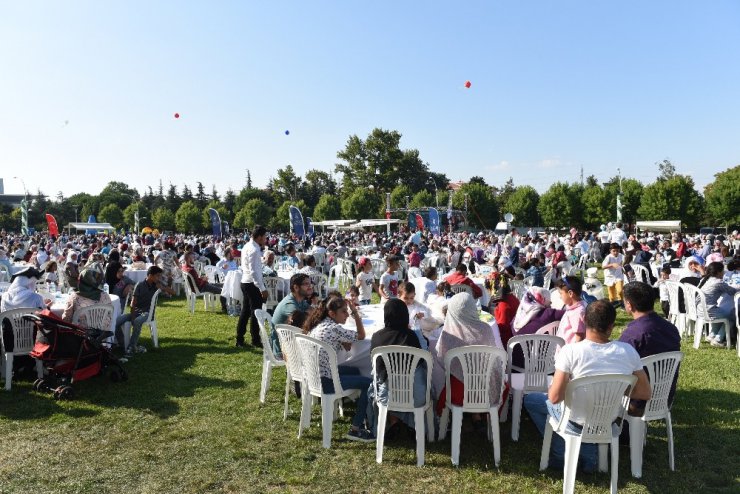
<point x="232" y="288"/>
<point x="60" y="303"/>
<point x="136" y="275"/>
<point x="486" y="298"/>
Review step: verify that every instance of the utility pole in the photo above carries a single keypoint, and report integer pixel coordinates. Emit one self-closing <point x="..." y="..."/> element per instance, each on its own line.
<point x="619" y="196"/>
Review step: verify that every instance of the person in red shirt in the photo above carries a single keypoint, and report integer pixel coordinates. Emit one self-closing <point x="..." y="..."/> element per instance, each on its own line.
<point x="202" y="282"/>
<point x="460" y="277"/>
<point x="504" y="307"/>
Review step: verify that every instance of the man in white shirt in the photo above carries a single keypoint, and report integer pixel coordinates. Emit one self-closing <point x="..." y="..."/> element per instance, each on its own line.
<point x="617" y="236"/>
<point x="253" y="287"/>
<point x="592" y="356"/>
<point x="425" y="285"/>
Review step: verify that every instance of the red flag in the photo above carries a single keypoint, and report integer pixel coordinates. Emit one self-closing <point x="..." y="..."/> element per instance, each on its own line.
<point x="53" y="228"/>
<point x="419" y="222"/>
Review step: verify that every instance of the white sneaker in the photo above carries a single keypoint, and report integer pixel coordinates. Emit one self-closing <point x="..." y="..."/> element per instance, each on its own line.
<point x="717" y="342"/>
<point x="710" y="338"/>
<point x="140" y="349"/>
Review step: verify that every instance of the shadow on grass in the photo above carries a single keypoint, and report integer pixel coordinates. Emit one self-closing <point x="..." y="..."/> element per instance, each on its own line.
<point x="156" y="380"/>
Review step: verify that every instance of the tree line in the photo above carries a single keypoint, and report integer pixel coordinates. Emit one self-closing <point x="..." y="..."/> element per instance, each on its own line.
<point x="368" y="169"/>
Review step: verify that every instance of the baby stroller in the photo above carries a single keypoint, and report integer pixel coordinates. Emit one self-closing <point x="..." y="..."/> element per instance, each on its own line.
<point x="70" y="353"/>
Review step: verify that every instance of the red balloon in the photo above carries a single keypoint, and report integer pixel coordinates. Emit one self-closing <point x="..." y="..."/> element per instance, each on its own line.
<point x="467" y="84"/>
<point x="177" y="115"/>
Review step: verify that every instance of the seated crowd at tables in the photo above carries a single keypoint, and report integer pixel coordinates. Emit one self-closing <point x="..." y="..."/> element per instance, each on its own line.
<point x="431" y="290"/>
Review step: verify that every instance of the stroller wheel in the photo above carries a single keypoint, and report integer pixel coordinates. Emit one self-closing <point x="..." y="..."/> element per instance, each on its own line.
<point x="116" y="375"/>
<point x="39" y="385"/>
<point x="64" y="393"/>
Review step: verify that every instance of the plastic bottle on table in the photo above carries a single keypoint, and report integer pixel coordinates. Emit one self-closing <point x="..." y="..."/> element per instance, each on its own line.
<point x="106" y="288"/>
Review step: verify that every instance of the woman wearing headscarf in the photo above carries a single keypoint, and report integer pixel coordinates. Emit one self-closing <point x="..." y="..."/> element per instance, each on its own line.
<point x="21" y="294"/>
<point x="72" y="269"/>
<point x="462" y="328"/>
<point x="395" y="332"/>
<point x="533" y="313"/>
<point x="88" y="292"/>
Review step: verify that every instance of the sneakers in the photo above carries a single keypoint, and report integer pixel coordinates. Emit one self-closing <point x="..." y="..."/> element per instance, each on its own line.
<point x="131" y="351"/>
<point x="710" y="337"/>
<point x="717" y="342"/>
<point x="362" y="435"/>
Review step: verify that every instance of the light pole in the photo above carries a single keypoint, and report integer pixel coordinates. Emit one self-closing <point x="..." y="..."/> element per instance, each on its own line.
<point x="436" y="196"/>
<point x="136" y="213"/>
<point x="75" y="208"/>
<point x="24" y="208"/>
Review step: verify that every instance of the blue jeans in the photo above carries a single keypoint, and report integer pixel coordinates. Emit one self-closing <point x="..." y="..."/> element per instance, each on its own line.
<point x="350" y="378"/>
<point x="136" y="323"/>
<point x="539" y="409"/>
<point x="365" y="302"/>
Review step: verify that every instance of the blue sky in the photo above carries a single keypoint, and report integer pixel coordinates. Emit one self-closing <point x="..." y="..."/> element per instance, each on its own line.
<point x="88" y="89"/>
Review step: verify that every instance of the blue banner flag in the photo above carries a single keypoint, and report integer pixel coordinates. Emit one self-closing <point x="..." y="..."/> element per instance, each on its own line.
<point x="434" y="221"/>
<point x="296" y="222"/>
<point x="215" y="222"/>
<point x="90" y="231"/>
<point x="309" y="226"/>
<point x="412" y="221"/>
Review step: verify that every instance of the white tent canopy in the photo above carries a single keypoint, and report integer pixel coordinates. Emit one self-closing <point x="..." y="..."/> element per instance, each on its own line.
<point x="333" y="223"/>
<point x="660" y="226"/>
<point x="89" y="226"/>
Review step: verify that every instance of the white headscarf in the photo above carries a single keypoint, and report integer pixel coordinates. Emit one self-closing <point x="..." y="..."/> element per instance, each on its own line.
<point x="21" y="294"/>
<point x="462" y="328"/>
<point x="534" y="301"/>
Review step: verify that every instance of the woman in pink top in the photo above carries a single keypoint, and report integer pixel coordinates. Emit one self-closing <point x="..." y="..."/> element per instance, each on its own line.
<point x="572" y="326"/>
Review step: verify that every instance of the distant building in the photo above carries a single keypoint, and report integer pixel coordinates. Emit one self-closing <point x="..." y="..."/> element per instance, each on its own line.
<point x="12" y="200"/>
<point x="455" y="186"/>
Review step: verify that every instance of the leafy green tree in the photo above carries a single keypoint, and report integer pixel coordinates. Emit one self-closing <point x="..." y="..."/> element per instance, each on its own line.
<point x="172" y="200"/>
<point x="163" y="219"/>
<point x="280" y="221"/>
<point x="128" y="214"/>
<point x="222" y="213"/>
<point x="187" y="194"/>
<point x="631" y="198"/>
<point x="187" y="218"/>
<point x="423" y="199"/>
<point x="378" y="161"/>
<point x="286" y="184"/>
<point x="230" y="202"/>
<point x="361" y="204"/>
<point x="112" y="214"/>
<point x="560" y="205"/>
<point x="672" y="199"/>
<point x="117" y="193"/>
<point x="723" y="197"/>
<point x="503" y="194"/>
<point x="399" y="194"/>
<point x="329" y="207"/>
<point x="246" y="195"/>
<point x="667" y="170"/>
<point x="254" y="212"/>
<point x="317" y="184"/>
<point x="522" y="203"/>
<point x="443" y="197"/>
<point x="201" y="198"/>
<point x="595" y="206"/>
<point x="477" y="179"/>
<point x="482" y="208"/>
<point x="214" y="194"/>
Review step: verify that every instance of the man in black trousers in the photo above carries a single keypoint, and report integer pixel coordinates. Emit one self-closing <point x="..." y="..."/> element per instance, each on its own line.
<point x="253" y="287"/>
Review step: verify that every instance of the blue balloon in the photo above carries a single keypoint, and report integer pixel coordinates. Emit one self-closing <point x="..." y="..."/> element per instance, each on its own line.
<point x="287" y="132"/>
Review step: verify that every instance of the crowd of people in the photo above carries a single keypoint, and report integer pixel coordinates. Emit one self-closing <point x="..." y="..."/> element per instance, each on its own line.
<point x="431" y="287"/>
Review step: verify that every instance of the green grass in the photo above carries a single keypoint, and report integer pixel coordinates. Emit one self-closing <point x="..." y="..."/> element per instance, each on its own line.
<point x="189" y="420"/>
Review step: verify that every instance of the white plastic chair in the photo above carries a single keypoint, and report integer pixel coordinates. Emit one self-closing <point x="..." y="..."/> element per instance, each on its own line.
<point x="292" y="358"/>
<point x="703" y="319"/>
<point x="4" y="285"/>
<point x="272" y="284"/>
<point x="400" y="364"/>
<point x="518" y="288"/>
<point x="535" y="376"/>
<point x="320" y="284"/>
<point x="675" y="316"/>
<point x="309" y="349"/>
<point x="150" y="321"/>
<point x="548" y="279"/>
<point x="22" y="342"/>
<point x="4" y="273"/>
<point x="460" y="288"/>
<point x="550" y="328"/>
<point x="661" y="369"/>
<point x="641" y="273"/>
<point x="689" y="301"/>
<point x="480" y="364"/>
<point x="98" y="316"/>
<point x="269" y="360"/>
<point x="192" y="293"/>
<point x="379" y="267"/>
<point x="599" y="403"/>
<point x="332" y="280"/>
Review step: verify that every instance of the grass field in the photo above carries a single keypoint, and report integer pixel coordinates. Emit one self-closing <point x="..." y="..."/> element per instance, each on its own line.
<point x="189" y="421"/>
